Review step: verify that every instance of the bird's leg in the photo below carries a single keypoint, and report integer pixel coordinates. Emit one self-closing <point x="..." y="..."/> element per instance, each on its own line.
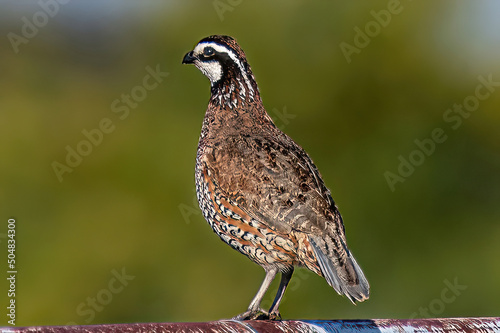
<point x="274" y="312"/>
<point x="254" y="310"/>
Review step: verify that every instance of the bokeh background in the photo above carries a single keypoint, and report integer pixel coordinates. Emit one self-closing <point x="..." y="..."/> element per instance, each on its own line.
<point x="429" y="246"/>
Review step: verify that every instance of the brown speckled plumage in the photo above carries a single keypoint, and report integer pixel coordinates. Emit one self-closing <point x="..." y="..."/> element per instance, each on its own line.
<point x="259" y="190"/>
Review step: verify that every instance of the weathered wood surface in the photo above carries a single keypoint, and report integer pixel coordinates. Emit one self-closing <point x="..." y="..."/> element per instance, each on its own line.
<point x="322" y="326"/>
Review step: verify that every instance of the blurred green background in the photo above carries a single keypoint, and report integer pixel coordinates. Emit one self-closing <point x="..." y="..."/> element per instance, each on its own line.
<point x="129" y="206"/>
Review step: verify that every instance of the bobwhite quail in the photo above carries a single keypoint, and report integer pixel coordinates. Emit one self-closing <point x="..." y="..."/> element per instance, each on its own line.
<point x="259" y="190"/>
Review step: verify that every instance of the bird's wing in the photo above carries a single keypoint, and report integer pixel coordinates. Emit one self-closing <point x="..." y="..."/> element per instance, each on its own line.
<point x="275" y="182"/>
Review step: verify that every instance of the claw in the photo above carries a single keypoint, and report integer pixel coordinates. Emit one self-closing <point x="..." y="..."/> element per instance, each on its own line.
<point x="259" y="314"/>
<point x="276" y="315"/>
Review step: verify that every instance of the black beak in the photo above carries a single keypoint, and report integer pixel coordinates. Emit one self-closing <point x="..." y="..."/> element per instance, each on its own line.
<point x="188" y="58"/>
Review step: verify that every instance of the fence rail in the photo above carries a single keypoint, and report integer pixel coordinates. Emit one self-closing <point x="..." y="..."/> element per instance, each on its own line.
<point x="434" y="325"/>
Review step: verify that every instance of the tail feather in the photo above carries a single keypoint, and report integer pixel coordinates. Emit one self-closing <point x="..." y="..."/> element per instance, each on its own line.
<point x="355" y="288"/>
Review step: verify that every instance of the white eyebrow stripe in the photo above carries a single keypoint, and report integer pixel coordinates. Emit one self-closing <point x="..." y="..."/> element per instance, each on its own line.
<point x="222" y="49"/>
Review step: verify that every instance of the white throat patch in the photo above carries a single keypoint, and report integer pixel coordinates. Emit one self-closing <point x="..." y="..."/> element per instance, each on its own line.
<point x="211" y="69"/>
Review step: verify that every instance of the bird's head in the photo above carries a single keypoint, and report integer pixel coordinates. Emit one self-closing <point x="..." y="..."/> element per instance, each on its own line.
<point x="223" y="61"/>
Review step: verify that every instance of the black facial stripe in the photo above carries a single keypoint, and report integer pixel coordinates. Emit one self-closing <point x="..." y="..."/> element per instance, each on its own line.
<point x="222" y="57"/>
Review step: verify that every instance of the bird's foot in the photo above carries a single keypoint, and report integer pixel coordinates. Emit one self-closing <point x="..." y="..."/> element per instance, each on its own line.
<point x="258" y="314"/>
<point x="275" y="315"/>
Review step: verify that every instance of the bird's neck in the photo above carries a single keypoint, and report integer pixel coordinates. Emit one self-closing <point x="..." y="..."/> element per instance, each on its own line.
<point x="235" y="90"/>
<point x="235" y="108"/>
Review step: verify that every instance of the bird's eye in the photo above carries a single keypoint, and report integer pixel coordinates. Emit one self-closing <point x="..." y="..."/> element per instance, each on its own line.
<point x="208" y="51"/>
